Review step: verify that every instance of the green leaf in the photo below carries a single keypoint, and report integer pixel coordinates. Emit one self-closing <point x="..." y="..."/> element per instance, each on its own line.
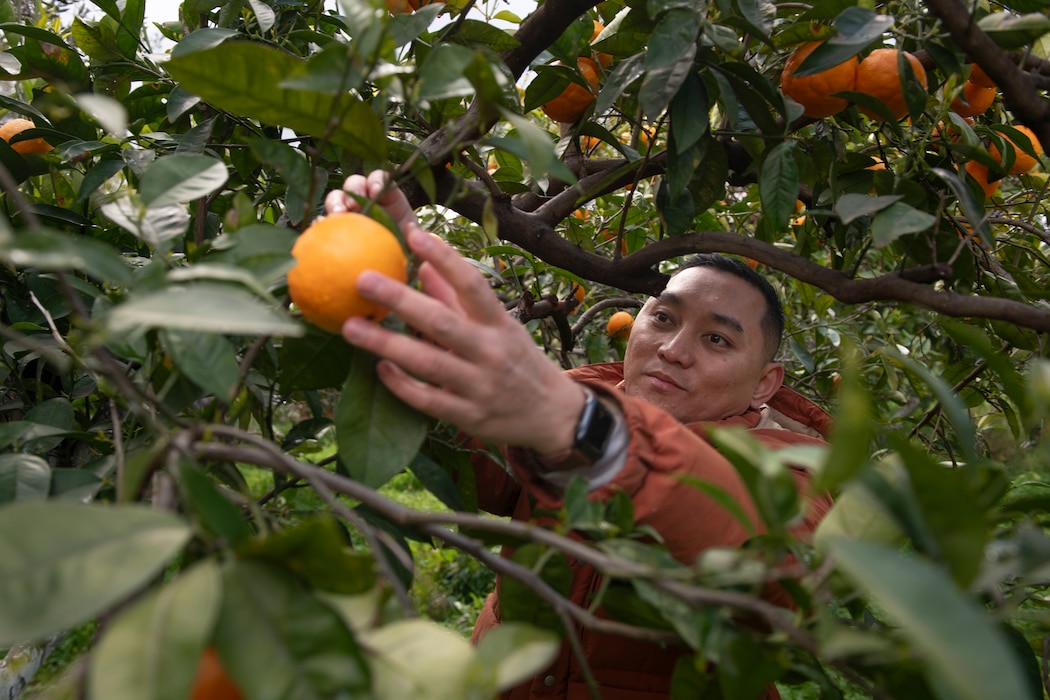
<point x="952" y="511"/>
<point x="204" y="307"/>
<point x="419" y="658"/>
<point x="180" y="178"/>
<point x="46" y="249"/>
<point x="668" y="60"/>
<point x="151" y="650"/>
<point x="71" y="562"/>
<point x="305" y="184"/>
<point x="956" y="636"/>
<point x="317" y="551"/>
<point x="973" y="209"/>
<point x="441" y="75"/>
<point x="308" y="652"/>
<point x="215" y="511"/>
<point x="23" y="477"/>
<point x="264" y="250"/>
<point x="852" y="206"/>
<point x="898" y="220"/>
<point x="978" y="342"/>
<point x="767" y="478"/>
<point x="953" y="408"/>
<point x="778" y="184"/>
<point x="208" y="359"/>
<point x="690" y="120"/>
<point x="1010" y="31"/>
<point x="519" y="603"/>
<point x="316" y="360"/>
<point x="243" y="78"/>
<point x="719" y="496"/>
<point x="857" y="28"/>
<point x="533" y="145"/>
<point x="745" y="669"/>
<point x="513" y="653"/>
<point x="852" y="435"/>
<point x="20" y="433"/>
<point x="377" y="433"/>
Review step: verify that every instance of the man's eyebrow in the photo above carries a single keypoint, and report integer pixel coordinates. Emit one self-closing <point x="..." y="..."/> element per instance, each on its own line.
<point x="729" y="321"/>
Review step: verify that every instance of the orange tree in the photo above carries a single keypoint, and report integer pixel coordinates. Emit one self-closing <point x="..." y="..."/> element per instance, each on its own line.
<point x="163" y="401"/>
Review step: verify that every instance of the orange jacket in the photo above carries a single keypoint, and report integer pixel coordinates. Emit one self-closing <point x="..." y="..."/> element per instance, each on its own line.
<point x="659" y="450"/>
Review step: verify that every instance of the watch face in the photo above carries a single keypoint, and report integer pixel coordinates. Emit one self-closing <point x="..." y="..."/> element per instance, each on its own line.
<point x="592" y="432"/>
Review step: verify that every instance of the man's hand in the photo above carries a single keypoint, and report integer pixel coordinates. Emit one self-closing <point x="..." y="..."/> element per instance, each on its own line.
<point x="482" y="371"/>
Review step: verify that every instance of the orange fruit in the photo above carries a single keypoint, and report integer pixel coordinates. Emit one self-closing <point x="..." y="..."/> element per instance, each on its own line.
<point x="397" y="7"/>
<point x="619" y="325"/>
<point x="1022" y="161"/>
<point x="877" y="75"/>
<point x="330" y="255"/>
<point x="813" y="91"/>
<point x="12" y="128"/>
<point x="975" y="100"/>
<point x="579" y="292"/>
<point x="979" y="172"/>
<point x="211" y="681"/>
<point x="949" y="131"/>
<point x="574" y="100"/>
<point x="590" y="143"/>
<point x="979" y="77"/>
<point x="608" y="235"/>
<point x="603" y="59"/>
<point x="582" y="214"/>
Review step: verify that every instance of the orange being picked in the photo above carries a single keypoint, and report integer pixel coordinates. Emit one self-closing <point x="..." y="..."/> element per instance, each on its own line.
<point x="211" y="681"/>
<point x="619" y="325"/>
<point x="813" y="91"/>
<point x="574" y="100"/>
<point x="13" y="128"/>
<point x="975" y="100"/>
<point x="330" y="254"/>
<point x="877" y="75"/>
<point x="603" y="59"/>
<point x="1023" y="162"/>
<point x="979" y="172"/>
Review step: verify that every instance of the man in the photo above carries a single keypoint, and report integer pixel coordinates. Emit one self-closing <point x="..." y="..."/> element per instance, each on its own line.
<point x="700" y="354"/>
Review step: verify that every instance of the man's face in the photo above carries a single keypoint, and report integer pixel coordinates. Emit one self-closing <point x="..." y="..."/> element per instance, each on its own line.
<point x="698" y="351"/>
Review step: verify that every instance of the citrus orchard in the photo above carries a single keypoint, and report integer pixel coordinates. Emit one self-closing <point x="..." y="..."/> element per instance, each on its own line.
<point x="979" y="172"/>
<point x="979" y="77"/>
<point x="603" y="59"/>
<point x="574" y="100"/>
<point x="211" y="681"/>
<point x="13" y="128"/>
<point x="878" y="76"/>
<point x="814" y="92"/>
<point x="619" y="325"/>
<point x="330" y="255"/>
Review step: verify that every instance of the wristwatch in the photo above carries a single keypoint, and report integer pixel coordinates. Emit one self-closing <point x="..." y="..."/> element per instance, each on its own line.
<point x="593" y="430"/>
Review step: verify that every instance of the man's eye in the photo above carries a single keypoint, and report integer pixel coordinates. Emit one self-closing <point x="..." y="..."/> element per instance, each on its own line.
<point x="717" y="339"/>
<point x="661" y="317"/>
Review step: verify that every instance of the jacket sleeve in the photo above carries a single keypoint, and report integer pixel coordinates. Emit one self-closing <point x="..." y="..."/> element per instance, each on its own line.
<point x="660" y="452"/>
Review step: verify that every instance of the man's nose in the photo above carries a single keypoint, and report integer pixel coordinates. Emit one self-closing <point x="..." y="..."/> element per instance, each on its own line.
<point x="676" y="350"/>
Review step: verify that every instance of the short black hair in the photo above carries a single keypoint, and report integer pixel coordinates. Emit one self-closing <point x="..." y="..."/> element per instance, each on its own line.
<point x="773" y="319"/>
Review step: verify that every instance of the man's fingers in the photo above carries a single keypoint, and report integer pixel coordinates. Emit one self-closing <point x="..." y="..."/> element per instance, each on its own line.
<point x="427" y="398"/>
<point x="473" y="292"/>
<point x="423" y="359"/>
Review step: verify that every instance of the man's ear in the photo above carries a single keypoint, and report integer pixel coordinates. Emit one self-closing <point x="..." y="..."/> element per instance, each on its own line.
<point x="768" y="384"/>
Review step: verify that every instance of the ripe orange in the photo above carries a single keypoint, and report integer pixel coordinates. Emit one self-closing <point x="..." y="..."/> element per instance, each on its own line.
<point x="574" y="100"/>
<point x="979" y="172"/>
<point x="812" y="91"/>
<point x="608" y="235"/>
<point x="603" y="59"/>
<point x="397" y="7"/>
<point x="582" y="214"/>
<point x="975" y="100"/>
<point x="1022" y="161"/>
<point x="589" y="144"/>
<point x="579" y="292"/>
<point x="14" y="127"/>
<point x="979" y="77"/>
<point x="331" y="253"/>
<point x="211" y="681"/>
<point x="877" y="75"/>
<point x="619" y="325"/>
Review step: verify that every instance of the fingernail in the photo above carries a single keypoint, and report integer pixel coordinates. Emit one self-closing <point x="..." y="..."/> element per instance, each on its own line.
<point x="354" y="329"/>
<point x="368" y="282"/>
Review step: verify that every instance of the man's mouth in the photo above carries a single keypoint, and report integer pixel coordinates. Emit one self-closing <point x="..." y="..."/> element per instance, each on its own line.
<point x="663" y="381"/>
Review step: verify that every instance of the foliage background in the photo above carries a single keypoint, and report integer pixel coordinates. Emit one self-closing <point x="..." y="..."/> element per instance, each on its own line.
<point x="151" y="364"/>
